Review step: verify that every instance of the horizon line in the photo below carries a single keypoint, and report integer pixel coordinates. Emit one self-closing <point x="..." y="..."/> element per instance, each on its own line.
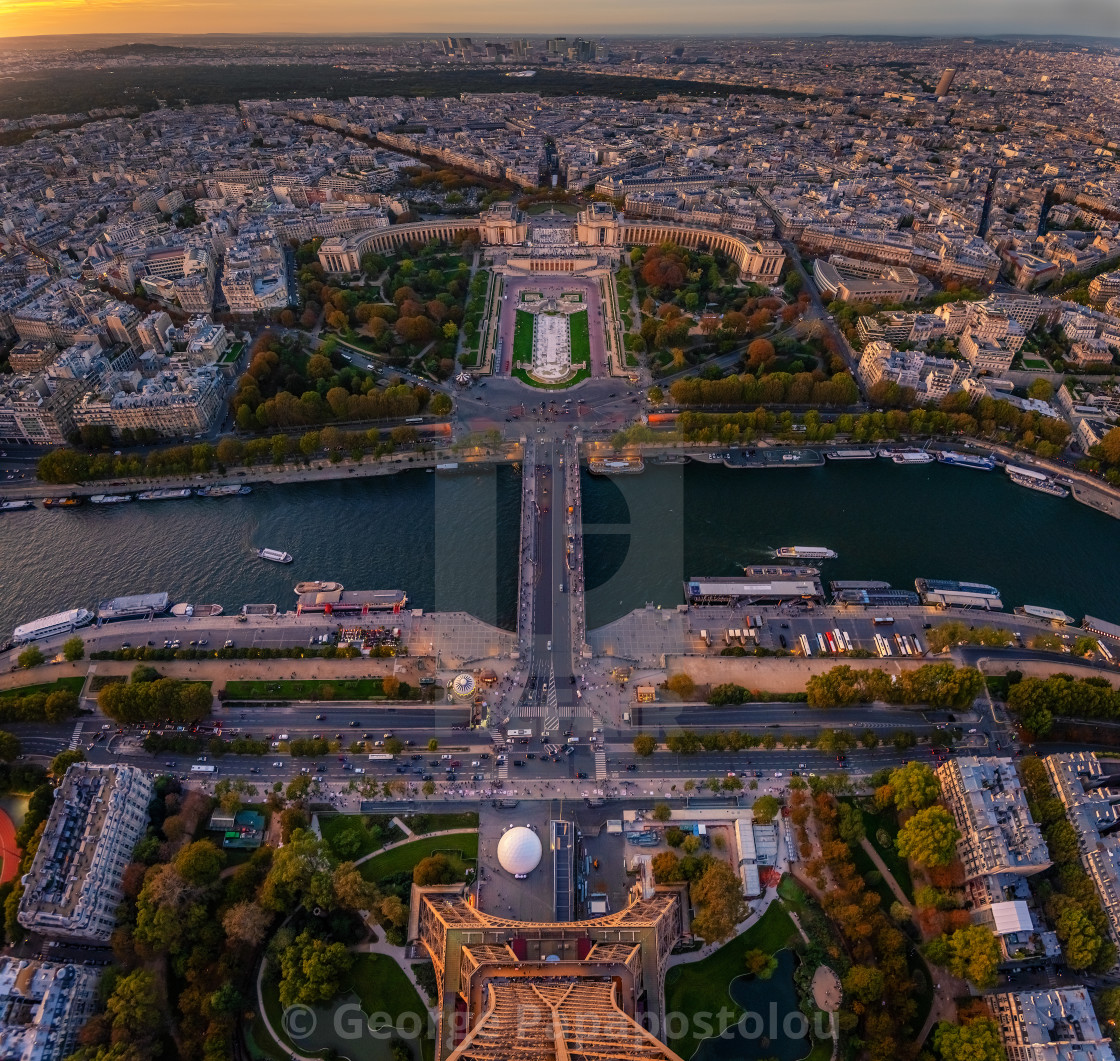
<point x="714" y="34"/>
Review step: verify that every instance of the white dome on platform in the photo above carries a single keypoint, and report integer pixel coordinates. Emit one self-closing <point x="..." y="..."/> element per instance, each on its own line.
<point x="519" y="850"/>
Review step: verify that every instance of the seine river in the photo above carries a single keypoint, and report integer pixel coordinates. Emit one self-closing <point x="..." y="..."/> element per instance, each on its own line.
<point x="450" y="541"/>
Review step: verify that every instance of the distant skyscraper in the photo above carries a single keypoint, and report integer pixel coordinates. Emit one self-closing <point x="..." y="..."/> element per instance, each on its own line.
<point x="946" y="81"/>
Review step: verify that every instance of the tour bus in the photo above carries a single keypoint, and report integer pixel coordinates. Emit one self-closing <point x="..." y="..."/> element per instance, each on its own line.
<point x="381" y="757"/>
<point x="883" y="620"/>
<point x="1105" y="652"/>
<point x="519" y="732"/>
<point x="804" y="645"/>
<point x="198" y="768"/>
<point x="413" y="419"/>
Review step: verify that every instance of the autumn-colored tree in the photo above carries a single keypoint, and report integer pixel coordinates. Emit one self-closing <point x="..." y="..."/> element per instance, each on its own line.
<point x="681" y="684"/>
<point x="759" y="352"/>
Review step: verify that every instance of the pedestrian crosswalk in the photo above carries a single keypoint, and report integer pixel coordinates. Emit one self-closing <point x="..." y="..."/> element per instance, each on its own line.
<point x="503" y="770"/>
<point x="600" y="764"/>
<point x="76" y="739"/>
<point x="551" y="724"/>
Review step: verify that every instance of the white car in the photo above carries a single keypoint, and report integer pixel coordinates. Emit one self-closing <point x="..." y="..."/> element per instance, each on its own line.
<point x="279" y="762"/>
<point x="778" y="773"/>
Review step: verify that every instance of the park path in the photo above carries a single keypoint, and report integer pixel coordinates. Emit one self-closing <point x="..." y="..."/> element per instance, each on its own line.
<point x="409" y="840"/>
<point x="881" y="866"/>
<point x="943" y="1007"/>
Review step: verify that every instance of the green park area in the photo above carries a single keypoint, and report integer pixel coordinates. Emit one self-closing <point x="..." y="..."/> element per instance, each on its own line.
<point x="523" y="336"/>
<point x="581" y="339"/>
<point x="720" y="981"/>
<point x="311" y="689"/>
<point x="232" y="354"/>
<point x="377" y="984"/>
<point x="68" y="685"/>
<point x="460" y="850"/>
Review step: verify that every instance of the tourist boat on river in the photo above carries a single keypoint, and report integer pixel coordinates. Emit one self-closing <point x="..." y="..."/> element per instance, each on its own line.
<point x="163" y="495"/>
<point x="109" y="499"/>
<point x="275" y="555"/>
<point x="223" y="490"/>
<point x="804" y="552"/>
<point x="318" y="587"/>
<point x="61" y="502"/>
<point x="17" y="505"/>
<point x="911" y="456"/>
<point x="1042" y="483"/>
<point x="196" y="611"/>
<point x="851" y="454"/>
<point x="967" y="460"/>
<point x="616" y="465"/>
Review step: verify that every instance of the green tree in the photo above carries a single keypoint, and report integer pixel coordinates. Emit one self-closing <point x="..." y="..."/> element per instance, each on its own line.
<point x="864" y="983"/>
<point x="978" y="1039"/>
<point x="60" y="704"/>
<point x="662" y="812"/>
<point x="394" y="745"/>
<point x="760" y="964"/>
<point x="74" y="649"/>
<point x="929" y="838"/>
<point x="9" y="746"/>
<point x="765" y="809"/>
<point x="31" y="656"/>
<point x="915" y="786"/>
<point x="312" y="970"/>
<point x="428" y="788"/>
<point x="850" y="823"/>
<point x="644" y="744"/>
<point x="440" y="405"/>
<point x="433" y="745"/>
<point x="200" y="863"/>
<point x="64" y="760"/>
<point x="971" y="953"/>
<point x="133" y="1007"/>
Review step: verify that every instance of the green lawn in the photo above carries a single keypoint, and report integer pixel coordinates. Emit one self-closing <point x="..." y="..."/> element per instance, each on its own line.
<point x="73" y="685"/>
<point x="311" y="689"/>
<point x="232" y="354"/>
<point x="337" y="826"/>
<point x="382" y="987"/>
<point x="523" y="336"/>
<point x="581" y="339"/>
<point x="433" y="823"/>
<point x="405" y="857"/>
<point x="581" y="374"/>
<point x="702" y="986"/>
<point x="887" y="820"/>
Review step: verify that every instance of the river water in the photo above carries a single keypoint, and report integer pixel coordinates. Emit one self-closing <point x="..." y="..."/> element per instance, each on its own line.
<point x="450" y="541"/>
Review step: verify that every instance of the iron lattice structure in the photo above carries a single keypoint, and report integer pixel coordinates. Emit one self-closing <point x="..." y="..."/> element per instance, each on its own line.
<point x="549" y="991"/>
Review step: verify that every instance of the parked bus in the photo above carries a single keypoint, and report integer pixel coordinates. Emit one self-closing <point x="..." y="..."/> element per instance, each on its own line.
<point x="804" y="645"/>
<point x="883" y="620"/>
<point x="1105" y="652"/>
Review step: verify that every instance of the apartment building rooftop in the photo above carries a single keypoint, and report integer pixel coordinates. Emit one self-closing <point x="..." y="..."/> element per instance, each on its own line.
<point x="998" y="834"/>
<point x="1054" y="1025"/>
<point x="98" y="815"/>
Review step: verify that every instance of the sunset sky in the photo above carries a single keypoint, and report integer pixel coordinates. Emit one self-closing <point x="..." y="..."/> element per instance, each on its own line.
<point x="1091" y="17"/>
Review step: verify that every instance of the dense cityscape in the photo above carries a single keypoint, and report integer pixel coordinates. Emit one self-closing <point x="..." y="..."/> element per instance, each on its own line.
<point x="477" y="343"/>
